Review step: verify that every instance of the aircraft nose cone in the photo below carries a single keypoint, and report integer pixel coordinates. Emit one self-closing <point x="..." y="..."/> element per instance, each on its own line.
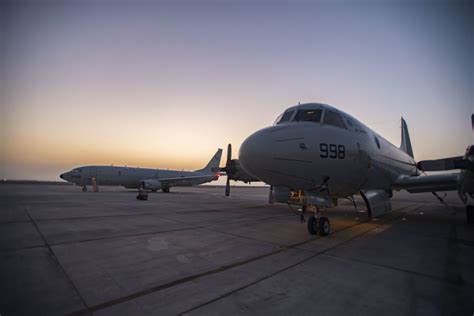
<point x="253" y="153"/>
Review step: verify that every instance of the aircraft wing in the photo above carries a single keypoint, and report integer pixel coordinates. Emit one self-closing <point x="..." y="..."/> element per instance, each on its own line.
<point x="429" y="183"/>
<point x="186" y="181"/>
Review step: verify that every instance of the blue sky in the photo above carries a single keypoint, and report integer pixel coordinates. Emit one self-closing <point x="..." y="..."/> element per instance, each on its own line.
<point x="163" y="84"/>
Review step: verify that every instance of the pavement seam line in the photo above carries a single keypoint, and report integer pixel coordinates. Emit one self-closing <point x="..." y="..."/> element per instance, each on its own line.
<point x="102" y="238"/>
<point x="433" y="277"/>
<point x="224" y="268"/>
<point x="277" y="272"/>
<point x="53" y="255"/>
<point x="301" y="261"/>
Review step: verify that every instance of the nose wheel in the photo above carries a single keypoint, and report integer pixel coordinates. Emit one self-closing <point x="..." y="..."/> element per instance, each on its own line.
<point x="323" y="226"/>
<point x="317" y="223"/>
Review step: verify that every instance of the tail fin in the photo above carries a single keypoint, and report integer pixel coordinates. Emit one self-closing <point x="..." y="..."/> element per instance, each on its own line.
<point x="406" y="143"/>
<point x="213" y="163"/>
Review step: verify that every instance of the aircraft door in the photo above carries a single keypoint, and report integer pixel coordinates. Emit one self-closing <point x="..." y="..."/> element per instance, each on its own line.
<point x="93" y="172"/>
<point x="94" y="180"/>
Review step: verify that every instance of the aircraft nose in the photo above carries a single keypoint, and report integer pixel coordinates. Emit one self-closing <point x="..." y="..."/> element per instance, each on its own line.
<point x="61" y="176"/>
<point x="253" y="152"/>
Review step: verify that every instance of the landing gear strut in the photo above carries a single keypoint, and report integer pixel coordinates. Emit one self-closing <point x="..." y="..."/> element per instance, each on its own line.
<point x="470" y="214"/>
<point x="318" y="223"/>
<point x="84" y="189"/>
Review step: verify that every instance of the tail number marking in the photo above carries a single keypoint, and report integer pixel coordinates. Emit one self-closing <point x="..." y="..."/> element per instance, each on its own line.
<point x="332" y="151"/>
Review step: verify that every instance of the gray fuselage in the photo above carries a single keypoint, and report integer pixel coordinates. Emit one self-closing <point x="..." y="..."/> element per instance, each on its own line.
<point x="302" y="155"/>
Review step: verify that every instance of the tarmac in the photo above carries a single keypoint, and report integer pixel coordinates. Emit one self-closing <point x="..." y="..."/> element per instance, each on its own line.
<point x="194" y="251"/>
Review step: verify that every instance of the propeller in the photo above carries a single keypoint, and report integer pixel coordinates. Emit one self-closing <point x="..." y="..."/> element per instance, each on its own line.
<point x="233" y="171"/>
<point x="229" y="169"/>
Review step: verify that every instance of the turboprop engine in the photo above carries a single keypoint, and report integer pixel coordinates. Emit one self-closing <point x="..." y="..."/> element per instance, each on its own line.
<point x="151" y="185"/>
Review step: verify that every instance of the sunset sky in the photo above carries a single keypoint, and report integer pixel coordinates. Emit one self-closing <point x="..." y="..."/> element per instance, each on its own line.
<point x="164" y="84"/>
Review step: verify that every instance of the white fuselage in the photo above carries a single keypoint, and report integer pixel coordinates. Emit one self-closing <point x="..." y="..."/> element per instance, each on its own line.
<point x="130" y="177"/>
<point x="143" y="178"/>
<point x="302" y="155"/>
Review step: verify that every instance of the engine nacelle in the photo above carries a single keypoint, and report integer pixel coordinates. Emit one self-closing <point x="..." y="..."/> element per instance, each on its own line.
<point x="237" y="173"/>
<point x="279" y="194"/>
<point x="377" y="202"/>
<point x="151" y="185"/>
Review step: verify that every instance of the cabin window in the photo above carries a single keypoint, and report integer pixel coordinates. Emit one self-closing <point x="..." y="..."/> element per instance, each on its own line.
<point x="334" y="119"/>
<point x="308" y="116"/>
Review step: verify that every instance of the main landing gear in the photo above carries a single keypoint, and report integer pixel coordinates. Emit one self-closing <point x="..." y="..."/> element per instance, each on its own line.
<point x="317" y="223"/>
<point x="142" y="195"/>
<point x="84" y="189"/>
<point x="166" y="190"/>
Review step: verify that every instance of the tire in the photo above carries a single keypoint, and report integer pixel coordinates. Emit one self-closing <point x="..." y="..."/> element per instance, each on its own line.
<point x="166" y="190"/>
<point x="84" y="189"/>
<point x="324" y="226"/>
<point x="312" y="225"/>
<point x="470" y="214"/>
<point x="142" y="197"/>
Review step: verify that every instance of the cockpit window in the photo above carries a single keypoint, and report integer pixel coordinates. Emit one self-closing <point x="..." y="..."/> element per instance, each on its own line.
<point x="77" y="170"/>
<point x="333" y="118"/>
<point x="285" y="117"/>
<point x="308" y="115"/>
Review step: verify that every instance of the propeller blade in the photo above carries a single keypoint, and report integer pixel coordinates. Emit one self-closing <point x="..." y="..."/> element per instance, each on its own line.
<point x="229" y="153"/>
<point x="227" y="187"/>
<point x="472" y="122"/>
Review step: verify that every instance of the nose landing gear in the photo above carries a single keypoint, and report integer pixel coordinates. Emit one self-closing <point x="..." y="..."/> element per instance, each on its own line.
<point x="317" y="223"/>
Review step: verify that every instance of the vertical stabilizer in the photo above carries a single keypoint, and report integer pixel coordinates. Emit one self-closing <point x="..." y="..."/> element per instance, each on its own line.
<point x="213" y="163"/>
<point x="406" y="143"/>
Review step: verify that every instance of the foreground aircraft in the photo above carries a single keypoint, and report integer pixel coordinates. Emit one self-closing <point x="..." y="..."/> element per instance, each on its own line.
<point x="142" y="178"/>
<point x="315" y="154"/>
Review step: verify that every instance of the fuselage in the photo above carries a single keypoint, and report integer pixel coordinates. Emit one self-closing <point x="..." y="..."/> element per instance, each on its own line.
<point x="311" y="144"/>
<point x="127" y="176"/>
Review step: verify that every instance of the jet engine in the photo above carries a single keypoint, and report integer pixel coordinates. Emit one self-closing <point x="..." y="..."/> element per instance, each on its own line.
<point x="151" y="185"/>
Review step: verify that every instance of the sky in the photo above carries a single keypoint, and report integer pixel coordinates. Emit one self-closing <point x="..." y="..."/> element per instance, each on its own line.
<point x="165" y="83"/>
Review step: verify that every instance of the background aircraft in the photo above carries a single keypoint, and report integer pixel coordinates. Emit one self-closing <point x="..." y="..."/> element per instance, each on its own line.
<point x="142" y="178"/>
<point x="315" y="154"/>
